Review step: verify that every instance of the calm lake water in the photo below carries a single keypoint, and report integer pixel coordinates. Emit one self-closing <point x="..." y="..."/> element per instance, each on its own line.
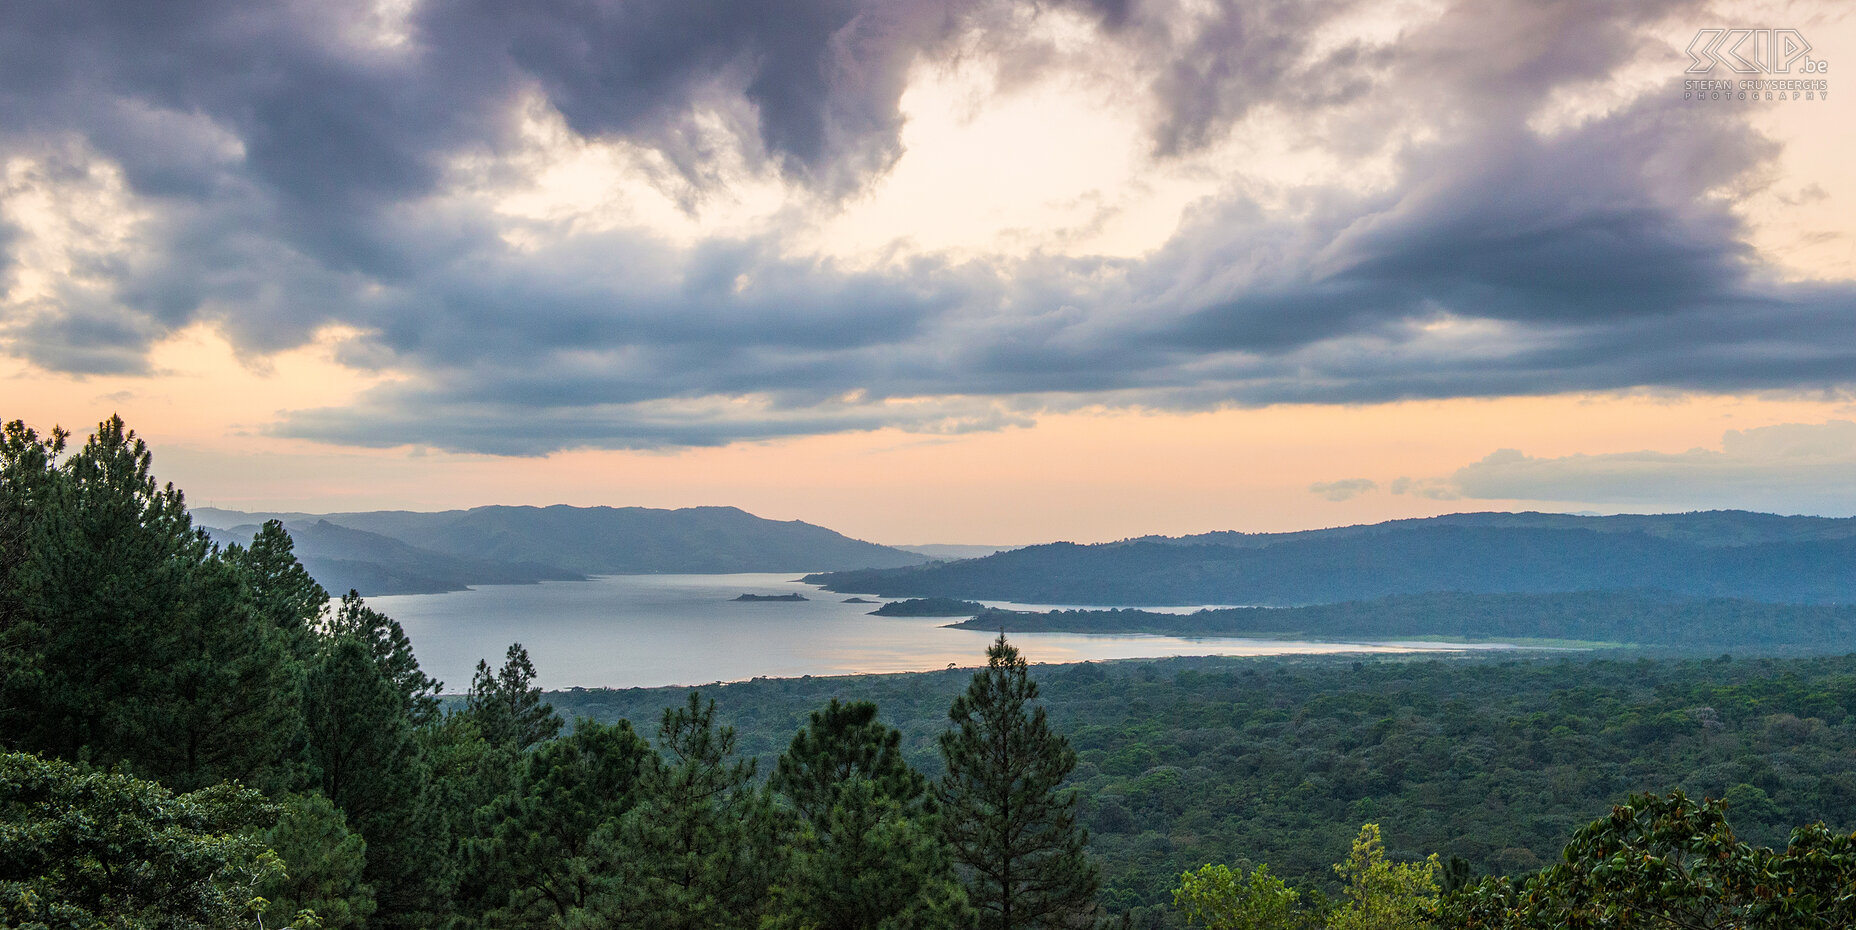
<point x="622" y="631"/>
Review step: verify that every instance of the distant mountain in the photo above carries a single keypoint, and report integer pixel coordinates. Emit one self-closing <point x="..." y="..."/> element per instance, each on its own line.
<point x="343" y="559"/>
<point x="1713" y="528"/>
<point x="1636" y="617"/>
<point x="610" y="540"/>
<point x="950" y="552"/>
<point x="1791" y="559"/>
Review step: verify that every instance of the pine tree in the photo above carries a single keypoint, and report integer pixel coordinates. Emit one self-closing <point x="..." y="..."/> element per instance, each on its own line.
<point x="542" y="864"/>
<point x="696" y="852"/>
<point x="363" y="749"/>
<point x="1013" y="832"/>
<point x="866" y="848"/>
<point x="138" y="645"/>
<point x="28" y="478"/>
<point x="842" y="743"/>
<point x="506" y="705"/>
<point x="391" y="650"/>
<point x="281" y="590"/>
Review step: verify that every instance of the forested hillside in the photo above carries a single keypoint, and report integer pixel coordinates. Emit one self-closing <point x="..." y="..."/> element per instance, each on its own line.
<point x="1622" y="617"/>
<point x="1394" y="559"/>
<point x="1189" y="761"/>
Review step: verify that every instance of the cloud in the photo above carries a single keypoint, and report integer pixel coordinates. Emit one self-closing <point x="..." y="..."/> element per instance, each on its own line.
<point x="1431" y="488"/>
<point x="276" y="169"/>
<point x="1788" y="468"/>
<point x="1344" y="489"/>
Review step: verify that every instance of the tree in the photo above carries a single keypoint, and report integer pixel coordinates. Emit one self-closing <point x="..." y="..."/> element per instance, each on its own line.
<point x="281" y="590"/>
<point x="1667" y="862"/>
<point x="392" y="653"/>
<point x="507" y="706"/>
<point x="141" y="645"/>
<point x="841" y="744"/>
<point x="362" y="749"/>
<point x="542" y="858"/>
<point x="1216" y="898"/>
<point x="867" y="850"/>
<point x="696" y="852"/>
<point x="322" y="863"/>
<point x="28" y="479"/>
<point x="1384" y="895"/>
<point x="94" y="850"/>
<point x="1013" y="832"/>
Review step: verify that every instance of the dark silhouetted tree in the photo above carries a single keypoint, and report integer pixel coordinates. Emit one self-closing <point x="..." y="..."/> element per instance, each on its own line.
<point x="1013" y="831"/>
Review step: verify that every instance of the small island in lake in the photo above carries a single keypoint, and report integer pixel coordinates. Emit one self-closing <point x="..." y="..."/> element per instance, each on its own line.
<point x="930" y="607"/>
<point x="859" y="600"/>
<point x="772" y="597"/>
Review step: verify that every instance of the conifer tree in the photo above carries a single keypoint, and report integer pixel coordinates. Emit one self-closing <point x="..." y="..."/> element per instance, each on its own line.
<point x="842" y="743"/>
<point x="867" y="850"/>
<point x="387" y="643"/>
<point x="143" y="648"/>
<point x="696" y="852"/>
<point x="28" y="475"/>
<point x="506" y="704"/>
<point x="363" y="750"/>
<point x="542" y="859"/>
<point x="1013" y="831"/>
<point x="281" y="590"/>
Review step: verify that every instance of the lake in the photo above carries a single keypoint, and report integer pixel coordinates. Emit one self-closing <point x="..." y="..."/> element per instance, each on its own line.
<point x="623" y="631"/>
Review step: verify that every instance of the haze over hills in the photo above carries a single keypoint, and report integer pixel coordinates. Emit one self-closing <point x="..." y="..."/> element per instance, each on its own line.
<point x="1703" y="528"/>
<point x="341" y="559"/>
<point x="1758" y="557"/>
<point x="489" y="545"/>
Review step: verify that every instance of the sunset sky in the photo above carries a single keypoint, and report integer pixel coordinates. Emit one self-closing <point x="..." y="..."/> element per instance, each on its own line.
<point x="938" y="271"/>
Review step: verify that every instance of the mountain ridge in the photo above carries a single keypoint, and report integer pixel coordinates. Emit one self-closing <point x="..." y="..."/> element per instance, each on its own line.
<point x="1705" y="554"/>
<point x="599" y="540"/>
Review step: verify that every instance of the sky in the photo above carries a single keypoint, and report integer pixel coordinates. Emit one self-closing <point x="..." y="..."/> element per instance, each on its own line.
<point x="942" y="271"/>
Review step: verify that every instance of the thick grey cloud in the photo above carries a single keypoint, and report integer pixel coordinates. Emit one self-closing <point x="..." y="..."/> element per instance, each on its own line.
<point x="294" y="162"/>
<point x="1788" y="468"/>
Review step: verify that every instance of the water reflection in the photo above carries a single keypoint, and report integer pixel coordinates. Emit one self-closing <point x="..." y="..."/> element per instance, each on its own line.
<point x="622" y="631"/>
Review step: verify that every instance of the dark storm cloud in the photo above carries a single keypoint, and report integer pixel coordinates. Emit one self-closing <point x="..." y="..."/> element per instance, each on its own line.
<point x="295" y="171"/>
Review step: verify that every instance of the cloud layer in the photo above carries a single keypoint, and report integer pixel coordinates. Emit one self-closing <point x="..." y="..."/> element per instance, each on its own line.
<point x="275" y="169"/>
<point x="1787" y="468"/>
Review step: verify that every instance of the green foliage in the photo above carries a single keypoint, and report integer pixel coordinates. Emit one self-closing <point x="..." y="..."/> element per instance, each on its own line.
<point x="128" y="639"/>
<point x="1012" y="829"/>
<point x="867" y="852"/>
<point x="507" y="707"/>
<point x="696" y="852"/>
<point x="322" y="864"/>
<point x="280" y="589"/>
<point x="544" y="862"/>
<point x="1216" y="898"/>
<point x="363" y="750"/>
<point x="387" y="643"/>
<point x="1382" y="895"/>
<point x="845" y="743"/>
<point x="85" y="849"/>
<point x="868" y="864"/>
<point x="1667" y="862"/>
